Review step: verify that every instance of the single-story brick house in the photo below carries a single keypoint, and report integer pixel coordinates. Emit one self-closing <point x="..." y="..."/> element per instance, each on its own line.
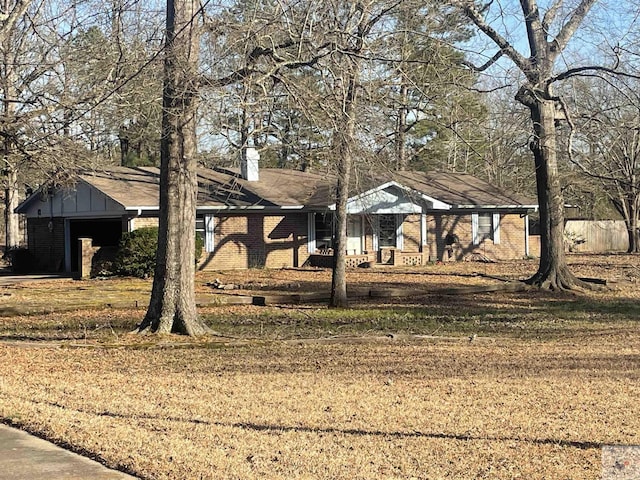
<point x="278" y="218"/>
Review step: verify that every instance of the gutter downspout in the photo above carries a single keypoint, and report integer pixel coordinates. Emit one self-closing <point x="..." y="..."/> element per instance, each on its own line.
<point x="526" y="235"/>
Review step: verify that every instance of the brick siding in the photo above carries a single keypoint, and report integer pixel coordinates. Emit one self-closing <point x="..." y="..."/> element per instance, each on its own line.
<point x="411" y="233"/>
<point x="142" y="222"/>
<point x="248" y="241"/>
<point x="512" y="241"/>
<point x="511" y="246"/>
<point x="276" y="241"/>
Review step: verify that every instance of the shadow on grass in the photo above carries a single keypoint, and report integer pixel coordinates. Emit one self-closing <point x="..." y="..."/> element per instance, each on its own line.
<point x="258" y="427"/>
<point x="429" y="311"/>
<point x="583" y="445"/>
<point x="530" y="314"/>
<point x="37" y="338"/>
<point x="65" y="326"/>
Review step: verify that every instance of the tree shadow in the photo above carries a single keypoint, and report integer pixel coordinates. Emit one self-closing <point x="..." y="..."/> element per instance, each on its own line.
<point x="281" y="428"/>
<point x="257" y="242"/>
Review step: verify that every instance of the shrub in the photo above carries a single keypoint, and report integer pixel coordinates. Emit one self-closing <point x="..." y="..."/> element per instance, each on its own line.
<point x="199" y="247"/>
<point x="136" y="255"/>
<point x="21" y="260"/>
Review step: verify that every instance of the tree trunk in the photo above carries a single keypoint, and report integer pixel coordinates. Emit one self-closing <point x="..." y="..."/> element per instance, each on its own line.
<point x="12" y="191"/>
<point x="172" y="308"/>
<point x="11" y="200"/>
<point x="536" y="94"/>
<point x="401" y="132"/>
<point x="346" y="140"/>
<point x="632" y="233"/>
<point x="633" y="229"/>
<point x="339" y="274"/>
<point x="553" y="272"/>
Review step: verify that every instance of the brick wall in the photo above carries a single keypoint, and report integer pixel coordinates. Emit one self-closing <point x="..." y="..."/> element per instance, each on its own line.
<point x="86" y="253"/>
<point x="438" y="227"/>
<point x="248" y="241"/>
<point x="276" y="241"/>
<point x="511" y="246"/>
<point x="512" y="241"/>
<point x="142" y="222"/>
<point x="411" y="233"/>
<point x="46" y="243"/>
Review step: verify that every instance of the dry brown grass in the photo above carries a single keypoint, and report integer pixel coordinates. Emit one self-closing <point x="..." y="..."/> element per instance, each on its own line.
<point x="275" y="403"/>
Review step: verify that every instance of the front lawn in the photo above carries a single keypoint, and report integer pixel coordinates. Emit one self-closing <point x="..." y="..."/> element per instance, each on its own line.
<point x="492" y="385"/>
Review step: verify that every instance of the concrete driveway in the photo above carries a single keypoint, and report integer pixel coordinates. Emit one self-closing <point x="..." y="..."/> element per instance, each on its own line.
<point x="25" y="457"/>
<point x="11" y="279"/>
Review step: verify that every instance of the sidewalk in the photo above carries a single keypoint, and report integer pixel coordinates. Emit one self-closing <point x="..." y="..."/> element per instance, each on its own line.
<point x="25" y="457"/>
<point x="7" y="279"/>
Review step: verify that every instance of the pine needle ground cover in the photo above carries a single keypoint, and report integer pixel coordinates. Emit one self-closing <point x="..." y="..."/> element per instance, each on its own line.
<point x="384" y="390"/>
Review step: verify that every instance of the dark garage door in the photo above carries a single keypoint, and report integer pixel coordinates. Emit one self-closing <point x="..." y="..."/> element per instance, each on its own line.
<point x="105" y="233"/>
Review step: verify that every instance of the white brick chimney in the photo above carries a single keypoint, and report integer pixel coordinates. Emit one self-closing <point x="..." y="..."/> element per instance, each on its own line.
<point x="249" y="168"/>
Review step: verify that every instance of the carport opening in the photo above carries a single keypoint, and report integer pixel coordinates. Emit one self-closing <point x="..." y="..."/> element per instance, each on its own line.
<point x="105" y="233"/>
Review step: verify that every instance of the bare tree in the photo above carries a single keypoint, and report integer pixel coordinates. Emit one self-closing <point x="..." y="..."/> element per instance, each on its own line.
<point x="355" y="25"/>
<point x="172" y="307"/>
<point x="49" y="91"/>
<point x="26" y="53"/>
<point x="505" y="131"/>
<point x="609" y="145"/>
<point x="11" y="11"/>
<point x="9" y="83"/>
<point x="349" y="29"/>
<point x="112" y="82"/>
<point x="548" y="34"/>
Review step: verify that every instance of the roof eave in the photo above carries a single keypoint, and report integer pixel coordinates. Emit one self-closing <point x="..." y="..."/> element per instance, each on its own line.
<point x="496" y="207"/>
<point x="20" y="209"/>
<point x="251" y="207"/>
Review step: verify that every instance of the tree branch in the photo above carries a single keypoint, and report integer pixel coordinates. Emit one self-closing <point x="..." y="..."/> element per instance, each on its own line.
<point x="9" y="19"/>
<point x="486" y="65"/>
<point x="569" y="28"/>
<point x="573" y="72"/>
<point x="535" y="32"/>
<point x="469" y="9"/>
<point x="550" y="15"/>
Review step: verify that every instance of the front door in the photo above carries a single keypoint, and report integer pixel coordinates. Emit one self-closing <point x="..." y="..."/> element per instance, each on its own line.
<point x="354" y="235"/>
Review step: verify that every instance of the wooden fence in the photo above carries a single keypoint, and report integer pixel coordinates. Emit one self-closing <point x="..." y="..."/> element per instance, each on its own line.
<point x="596" y="236"/>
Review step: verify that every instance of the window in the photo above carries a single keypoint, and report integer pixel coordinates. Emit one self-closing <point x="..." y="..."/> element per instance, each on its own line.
<point x="387" y="231"/>
<point x="485" y="226"/>
<point x="324" y="231"/>
<point x="200" y="226"/>
<point x="208" y="224"/>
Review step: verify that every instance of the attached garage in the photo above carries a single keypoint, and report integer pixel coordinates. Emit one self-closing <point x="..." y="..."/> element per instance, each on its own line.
<point x="58" y="219"/>
<point x="105" y="233"/>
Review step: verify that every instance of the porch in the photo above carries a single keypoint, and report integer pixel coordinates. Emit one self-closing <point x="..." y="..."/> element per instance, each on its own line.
<point x="385" y="256"/>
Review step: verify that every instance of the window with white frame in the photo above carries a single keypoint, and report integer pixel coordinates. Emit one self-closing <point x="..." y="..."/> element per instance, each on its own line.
<point x="320" y="232"/>
<point x="387" y="230"/>
<point x="208" y="224"/>
<point x="485" y="226"/>
<point x="200" y="226"/>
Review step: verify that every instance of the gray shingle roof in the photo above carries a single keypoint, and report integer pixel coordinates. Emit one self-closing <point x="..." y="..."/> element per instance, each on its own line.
<point x="224" y="188"/>
<point x="138" y="187"/>
<point x="460" y="189"/>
